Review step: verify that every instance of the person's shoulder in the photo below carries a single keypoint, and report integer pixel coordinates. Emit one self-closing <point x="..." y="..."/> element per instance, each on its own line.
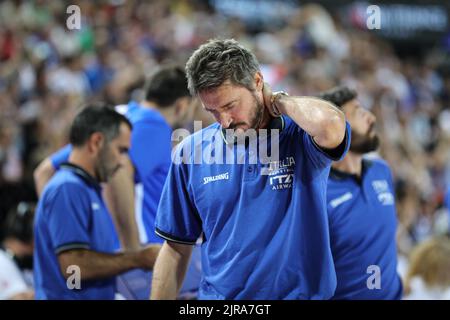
<point x="138" y="114"/>
<point x="4" y="258"/>
<point x="6" y="261"/>
<point x="377" y="163"/>
<point x="63" y="180"/>
<point x="289" y="126"/>
<point x="149" y="121"/>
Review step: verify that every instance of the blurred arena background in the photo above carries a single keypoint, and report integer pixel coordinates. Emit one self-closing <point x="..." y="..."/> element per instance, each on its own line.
<point x="401" y="72"/>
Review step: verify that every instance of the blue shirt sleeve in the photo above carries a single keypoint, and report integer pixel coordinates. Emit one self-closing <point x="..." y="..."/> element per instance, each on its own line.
<point x="61" y="156"/>
<point x="390" y="177"/>
<point x="321" y="158"/>
<point x="68" y="218"/>
<point x="177" y="218"/>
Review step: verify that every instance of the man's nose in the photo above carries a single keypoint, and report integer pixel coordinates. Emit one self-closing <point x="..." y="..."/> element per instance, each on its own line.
<point x="371" y="118"/>
<point x="225" y="120"/>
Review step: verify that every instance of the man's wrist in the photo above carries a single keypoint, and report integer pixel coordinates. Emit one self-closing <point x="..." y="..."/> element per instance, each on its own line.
<point x="276" y="103"/>
<point x="133" y="257"/>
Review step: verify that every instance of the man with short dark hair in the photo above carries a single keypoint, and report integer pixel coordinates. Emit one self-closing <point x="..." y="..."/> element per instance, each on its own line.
<point x="361" y="211"/>
<point x="264" y="225"/>
<point x="133" y="194"/>
<point x="74" y="233"/>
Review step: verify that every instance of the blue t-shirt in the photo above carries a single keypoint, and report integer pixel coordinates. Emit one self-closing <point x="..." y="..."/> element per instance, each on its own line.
<point x="71" y="215"/>
<point x="363" y="224"/>
<point x="150" y="155"/>
<point x="264" y="226"/>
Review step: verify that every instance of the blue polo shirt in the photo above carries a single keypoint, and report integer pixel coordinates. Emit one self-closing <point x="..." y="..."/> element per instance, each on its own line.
<point x="264" y="225"/>
<point x="447" y="205"/>
<point x="447" y="199"/>
<point x="71" y="215"/>
<point x="363" y="225"/>
<point x="150" y="154"/>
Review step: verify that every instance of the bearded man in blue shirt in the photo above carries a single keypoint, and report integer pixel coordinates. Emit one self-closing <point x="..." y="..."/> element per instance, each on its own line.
<point x="264" y="225"/>
<point x="361" y="211"/>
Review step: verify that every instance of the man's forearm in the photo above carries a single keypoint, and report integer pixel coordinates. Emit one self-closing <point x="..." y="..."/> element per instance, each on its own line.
<point x="169" y="272"/>
<point x="42" y="174"/>
<point x="119" y="197"/>
<point x="97" y="265"/>
<point x="319" y="118"/>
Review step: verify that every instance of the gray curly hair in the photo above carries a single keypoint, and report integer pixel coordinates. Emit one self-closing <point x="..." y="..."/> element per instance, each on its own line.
<point x="217" y="61"/>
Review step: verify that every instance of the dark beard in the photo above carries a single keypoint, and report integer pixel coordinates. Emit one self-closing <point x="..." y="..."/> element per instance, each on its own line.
<point x="102" y="172"/>
<point x="363" y="143"/>
<point x="258" y="115"/>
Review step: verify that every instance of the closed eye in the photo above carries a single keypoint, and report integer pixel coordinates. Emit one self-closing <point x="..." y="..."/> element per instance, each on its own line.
<point x="123" y="150"/>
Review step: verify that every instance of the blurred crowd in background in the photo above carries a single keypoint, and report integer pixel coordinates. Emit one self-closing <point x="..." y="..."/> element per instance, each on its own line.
<point x="48" y="71"/>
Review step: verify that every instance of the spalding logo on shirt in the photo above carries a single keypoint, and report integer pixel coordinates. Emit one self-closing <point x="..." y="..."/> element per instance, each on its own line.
<point x="223" y="176"/>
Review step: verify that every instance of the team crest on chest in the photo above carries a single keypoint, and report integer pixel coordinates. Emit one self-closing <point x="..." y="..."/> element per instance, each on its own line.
<point x="384" y="194"/>
<point x="281" y="173"/>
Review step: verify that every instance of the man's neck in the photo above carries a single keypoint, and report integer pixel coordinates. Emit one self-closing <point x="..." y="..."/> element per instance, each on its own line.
<point x="351" y="164"/>
<point x="79" y="158"/>
<point x="266" y="118"/>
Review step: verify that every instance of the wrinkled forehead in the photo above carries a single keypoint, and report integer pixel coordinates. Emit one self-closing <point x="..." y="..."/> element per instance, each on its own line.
<point x="219" y="97"/>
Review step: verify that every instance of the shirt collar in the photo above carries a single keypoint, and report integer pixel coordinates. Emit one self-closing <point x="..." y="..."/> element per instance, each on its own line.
<point x="81" y="173"/>
<point x="341" y="175"/>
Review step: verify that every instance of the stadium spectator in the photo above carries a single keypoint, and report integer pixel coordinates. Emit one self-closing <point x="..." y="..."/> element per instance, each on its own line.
<point x="428" y="277"/>
<point x="16" y="254"/>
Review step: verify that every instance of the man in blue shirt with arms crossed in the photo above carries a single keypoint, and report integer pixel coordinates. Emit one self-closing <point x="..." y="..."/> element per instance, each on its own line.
<point x="73" y="229"/>
<point x="264" y="226"/>
<point x="361" y="210"/>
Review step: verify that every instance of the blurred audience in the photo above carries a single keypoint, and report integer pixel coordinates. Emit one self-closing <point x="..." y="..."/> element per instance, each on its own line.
<point x="16" y="254"/>
<point x="428" y="276"/>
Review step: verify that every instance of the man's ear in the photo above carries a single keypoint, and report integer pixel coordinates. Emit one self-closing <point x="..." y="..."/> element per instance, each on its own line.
<point x="259" y="81"/>
<point x="96" y="142"/>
